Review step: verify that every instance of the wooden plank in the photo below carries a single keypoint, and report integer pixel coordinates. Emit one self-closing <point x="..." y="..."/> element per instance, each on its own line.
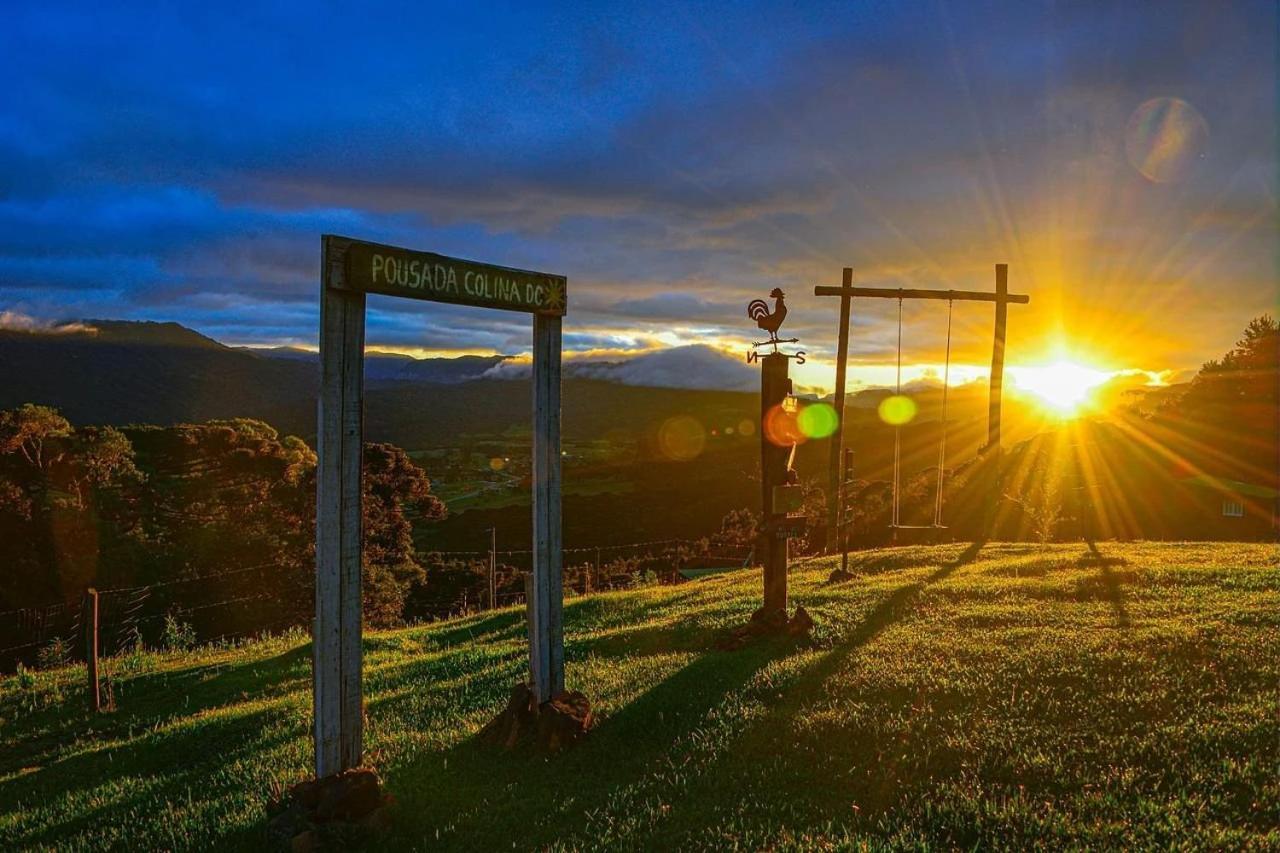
<point x="907" y="293"/>
<point x="394" y="271"/>
<point x="546" y="633"/>
<point x="834" y="484"/>
<point x="336" y="651"/>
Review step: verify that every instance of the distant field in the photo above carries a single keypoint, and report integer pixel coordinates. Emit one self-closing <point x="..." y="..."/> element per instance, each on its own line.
<point x="1026" y="695"/>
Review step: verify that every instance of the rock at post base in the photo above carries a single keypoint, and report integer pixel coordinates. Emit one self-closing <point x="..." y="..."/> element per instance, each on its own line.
<point x="353" y="796"/>
<point x="563" y="721"/>
<point x="801" y="623"/>
<point x="552" y="726"/>
<point x="839" y="576"/>
<point x="768" y="624"/>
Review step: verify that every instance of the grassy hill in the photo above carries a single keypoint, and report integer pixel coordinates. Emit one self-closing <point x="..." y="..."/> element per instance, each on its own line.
<point x="1021" y="695"/>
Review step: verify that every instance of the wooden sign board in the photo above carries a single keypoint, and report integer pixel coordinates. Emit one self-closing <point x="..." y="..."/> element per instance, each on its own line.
<point x="390" y="270"/>
<point x="790" y="527"/>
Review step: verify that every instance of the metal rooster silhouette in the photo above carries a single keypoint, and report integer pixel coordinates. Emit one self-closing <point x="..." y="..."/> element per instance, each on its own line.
<point x="770" y="321"/>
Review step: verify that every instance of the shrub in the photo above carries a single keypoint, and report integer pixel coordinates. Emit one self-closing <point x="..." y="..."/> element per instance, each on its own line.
<point x="178" y="636"/>
<point x="55" y="653"/>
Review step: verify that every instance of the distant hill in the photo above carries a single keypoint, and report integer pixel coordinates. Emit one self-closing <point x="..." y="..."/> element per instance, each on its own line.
<point x="393" y="367"/>
<point x="128" y="372"/>
<point x="163" y="373"/>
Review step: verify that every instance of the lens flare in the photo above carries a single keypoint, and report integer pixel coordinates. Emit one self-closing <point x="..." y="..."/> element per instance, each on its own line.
<point x="818" y="420"/>
<point x="681" y="438"/>
<point x="782" y="427"/>
<point x="497" y="463"/>
<point x="1164" y="138"/>
<point x="746" y="427"/>
<point x="897" y="410"/>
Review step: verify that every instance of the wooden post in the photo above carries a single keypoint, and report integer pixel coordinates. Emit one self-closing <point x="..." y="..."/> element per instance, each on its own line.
<point x="997" y="356"/>
<point x="336" y="636"/>
<point x="89" y="616"/>
<point x="493" y="568"/>
<point x="995" y="482"/>
<point x="774" y="387"/>
<point x="835" y="487"/>
<point x="846" y="477"/>
<point x="546" y="632"/>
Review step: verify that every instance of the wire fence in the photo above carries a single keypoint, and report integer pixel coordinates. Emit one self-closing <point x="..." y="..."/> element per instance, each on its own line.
<point x="266" y="597"/>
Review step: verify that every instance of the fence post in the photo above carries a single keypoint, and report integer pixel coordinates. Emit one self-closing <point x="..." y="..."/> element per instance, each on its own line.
<point x="89" y="613"/>
<point x="493" y="568"/>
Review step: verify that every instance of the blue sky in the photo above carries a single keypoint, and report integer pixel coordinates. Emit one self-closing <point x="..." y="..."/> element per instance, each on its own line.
<point x="180" y="162"/>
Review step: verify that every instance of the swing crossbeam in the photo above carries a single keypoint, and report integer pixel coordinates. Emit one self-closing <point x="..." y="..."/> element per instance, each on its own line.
<point x="907" y="293"/>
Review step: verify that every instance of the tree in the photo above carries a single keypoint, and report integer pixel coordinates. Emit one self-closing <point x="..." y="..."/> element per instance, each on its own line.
<point x="396" y="490"/>
<point x="66" y="500"/>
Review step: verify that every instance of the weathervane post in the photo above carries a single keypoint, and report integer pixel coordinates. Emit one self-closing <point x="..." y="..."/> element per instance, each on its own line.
<point x="778" y="491"/>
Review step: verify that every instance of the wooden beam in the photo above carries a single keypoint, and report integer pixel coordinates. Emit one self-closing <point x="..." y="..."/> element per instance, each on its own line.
<point x="906" y="293"/>
<point x="336" y="634"/>
<point x="546" y="631"/>
<point x="834" y="483"/>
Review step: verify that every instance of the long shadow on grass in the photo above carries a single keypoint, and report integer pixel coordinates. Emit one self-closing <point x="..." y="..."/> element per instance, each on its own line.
<point x="161" y="769"/>
<point x="779" y="757"/>
<point x="477" y="796"/>
<point x="142" y="701"/>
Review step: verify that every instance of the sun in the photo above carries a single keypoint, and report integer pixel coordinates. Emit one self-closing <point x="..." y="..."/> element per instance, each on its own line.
<point x="1064" y="387"/>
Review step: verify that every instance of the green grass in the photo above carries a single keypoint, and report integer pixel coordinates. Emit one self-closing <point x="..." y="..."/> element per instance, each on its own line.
<point x="1021" y="696"/>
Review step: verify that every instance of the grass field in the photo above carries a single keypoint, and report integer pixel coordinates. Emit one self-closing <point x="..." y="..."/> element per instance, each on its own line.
<point x="1023" y="695"/>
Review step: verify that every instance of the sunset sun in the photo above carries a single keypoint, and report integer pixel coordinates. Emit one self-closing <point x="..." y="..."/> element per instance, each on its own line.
<point x="1063" y="387"/>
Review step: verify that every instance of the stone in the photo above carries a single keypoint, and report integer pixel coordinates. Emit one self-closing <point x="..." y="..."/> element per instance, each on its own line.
<point x="563" y="721"/>
<point x="552" y="726"/>
<point x="303" y="842"/>
<point x="349" y="795"/>
<point x="352" y="797"/>
<point x="801" y="623"/>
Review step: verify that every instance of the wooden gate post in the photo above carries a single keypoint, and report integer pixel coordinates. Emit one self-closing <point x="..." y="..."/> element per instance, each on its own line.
<point x="336" y="634"/>
<point x="546" y="633"/>
<point x="835" y="486"/>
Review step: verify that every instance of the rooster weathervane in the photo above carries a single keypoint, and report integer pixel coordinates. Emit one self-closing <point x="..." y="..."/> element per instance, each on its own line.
<point x="771" y="321"/>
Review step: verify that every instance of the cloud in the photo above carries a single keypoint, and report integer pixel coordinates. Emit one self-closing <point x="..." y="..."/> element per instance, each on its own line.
<point x="672" y="162"/>
<point x="695" y="366"/>
<point x="14" y="321"/>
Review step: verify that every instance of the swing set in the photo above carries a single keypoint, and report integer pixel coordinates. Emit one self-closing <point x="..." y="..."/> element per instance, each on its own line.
<point x="1001" y="298"/>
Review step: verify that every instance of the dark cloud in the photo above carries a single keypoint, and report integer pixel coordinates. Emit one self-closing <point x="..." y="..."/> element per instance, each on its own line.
<point x="180" y="163"/>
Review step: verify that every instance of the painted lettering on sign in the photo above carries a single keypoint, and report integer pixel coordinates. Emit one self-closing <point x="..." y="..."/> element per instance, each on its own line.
<point x="423" y="275"/>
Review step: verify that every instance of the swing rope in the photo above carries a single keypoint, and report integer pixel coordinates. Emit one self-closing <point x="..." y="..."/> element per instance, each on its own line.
<point x="897" y="427"/>
<point x="896" y="514"/>
<point x="942" y="443"/>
